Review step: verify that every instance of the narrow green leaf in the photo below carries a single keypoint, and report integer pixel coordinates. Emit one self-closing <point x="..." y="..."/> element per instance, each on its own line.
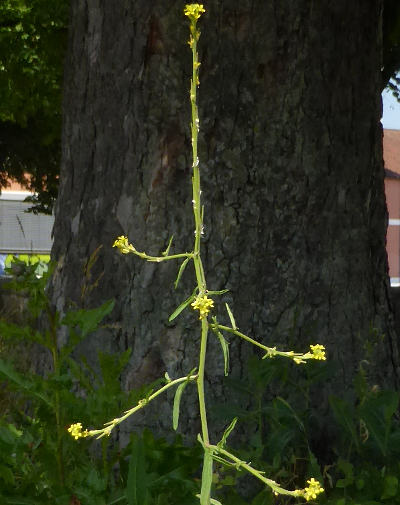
<point x="225" y="350"/>
<point x="181" y="270"/>
<point x="165" y="253"/>
<point x="223" y="461"/>
<point x="136" y="490"/>
<point x="182" y="306"/>
<point x="234" y="327"/>
<point x="20" y="501"/>
<point x="177" y="403"/>
<point x="227" y="432"/>
<point x="206" y="478"/>
<point x="27" y="386"/>
<point x="212" y="500"/>
<point x="221" y="292"/>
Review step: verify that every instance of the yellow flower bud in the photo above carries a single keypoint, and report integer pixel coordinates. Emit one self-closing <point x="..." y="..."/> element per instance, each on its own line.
<point x="194" y="11"/>
<point x="76" y="431"/>
<point x="203" y="304"/>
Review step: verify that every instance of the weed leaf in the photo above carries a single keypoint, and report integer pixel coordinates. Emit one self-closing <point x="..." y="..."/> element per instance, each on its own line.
<point x="227" y="432"/>
<point x="177" y="403"/>
<point x="225" y="350"/>
<point x="233" y="323"/>
<point x="166" y="252"/>
<point x="136" y="490"/>
<point x="180" y="272"/>
<point x="182" y="306"/>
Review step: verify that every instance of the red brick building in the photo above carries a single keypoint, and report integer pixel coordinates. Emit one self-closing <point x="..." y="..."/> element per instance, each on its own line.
<point x="391" y="154"/>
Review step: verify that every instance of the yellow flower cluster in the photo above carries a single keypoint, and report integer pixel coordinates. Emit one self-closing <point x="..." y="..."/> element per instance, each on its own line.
<point x="76" y="431"/>
<point x="203" y="304"/>
<point x="313" y="489"/>
<point x="123" y="245"/>
<point x="194" y="11"/>
<point x="318" y="352"/>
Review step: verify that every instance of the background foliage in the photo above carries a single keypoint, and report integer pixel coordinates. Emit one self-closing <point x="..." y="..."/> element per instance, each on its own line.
<point x="33" y="36"/>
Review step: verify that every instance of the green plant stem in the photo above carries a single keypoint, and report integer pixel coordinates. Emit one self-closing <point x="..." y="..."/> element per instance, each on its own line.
<point x="159" y="259"/>
<point x="200" y="381"/>
<point x="245" y="337"/>
<point x="110" y="425"/>
<point x="257" y="473"/>
<point x="271" y="351"/>
<point x="56" y="365"/>
<point x="198" y="213"/>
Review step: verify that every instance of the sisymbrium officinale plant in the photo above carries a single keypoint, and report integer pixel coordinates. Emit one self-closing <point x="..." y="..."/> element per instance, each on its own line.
<point x="202" y="301"/>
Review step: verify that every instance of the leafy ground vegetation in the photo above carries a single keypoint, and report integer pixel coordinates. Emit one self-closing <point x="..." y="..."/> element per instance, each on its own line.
<point x="41" y="464"/>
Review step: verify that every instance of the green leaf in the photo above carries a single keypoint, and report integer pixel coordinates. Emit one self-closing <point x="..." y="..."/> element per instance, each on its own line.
<point x="348" y="470"/>
<point x="166" y="252"/>
<point x="221" y="292"/>
<point x="111" y="366"/>
<point x="377" y="412"/>
<point x="263" y="498"/>
<point x="9" y="434"/>
<point x="29" y="387"/>
<point x="6" y="475"/>
<point x="24" y="333"/>
<point x="225" y="350"/>
<point x="181" y="270"/>
<point x="177" y="402"/>
<point x="88" y="320"/>
<point x="233" y="323"/>
<point x="212" y="500"/>
<point x="95" y="481"/>
<point x="390" y="487"/>
<point x="182" y="306"/>
<point x="344" y="415"/>
<point x="227" y="432"/>
<point x="206" y="477"/>
<point x="136" y="490"/>
<point x="21" y="501"/>
<point x="287" y="406"/>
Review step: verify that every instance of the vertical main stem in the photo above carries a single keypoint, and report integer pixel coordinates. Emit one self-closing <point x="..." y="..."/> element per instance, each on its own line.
<point x="198" y="218"/>
<point x="197" y="209"/>
<point x="200" y="277"/>
<point x="200" y="381"/>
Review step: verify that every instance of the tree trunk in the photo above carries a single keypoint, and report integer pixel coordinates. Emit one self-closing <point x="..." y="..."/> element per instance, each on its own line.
<point x="292" y="174"/>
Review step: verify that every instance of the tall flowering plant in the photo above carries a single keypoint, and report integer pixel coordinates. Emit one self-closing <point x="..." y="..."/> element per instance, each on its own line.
<point x="202" y="302"/>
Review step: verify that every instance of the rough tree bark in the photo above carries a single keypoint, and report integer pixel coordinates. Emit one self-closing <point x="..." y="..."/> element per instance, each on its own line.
<point x="292" y="174"/>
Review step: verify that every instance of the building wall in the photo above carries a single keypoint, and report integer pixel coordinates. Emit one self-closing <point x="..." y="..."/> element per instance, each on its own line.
<point x="392" y="187"/>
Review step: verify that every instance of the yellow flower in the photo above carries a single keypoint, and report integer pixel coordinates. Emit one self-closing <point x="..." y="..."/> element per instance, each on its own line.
<point x="76" y="431"/>
<point x="203" y="304"/>
<point x="318" y="352"/>
<point x="123" y="245"/>
<point x="194" y="11"/>
<point x="312" y="490"/>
